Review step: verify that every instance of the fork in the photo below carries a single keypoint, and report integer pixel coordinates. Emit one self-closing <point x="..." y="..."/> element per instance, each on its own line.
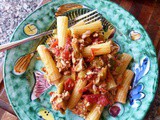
<point x="87" y="18"/>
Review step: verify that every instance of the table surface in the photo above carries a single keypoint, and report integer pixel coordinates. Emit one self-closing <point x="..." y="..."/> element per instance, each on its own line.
<point x="147" y="12"/>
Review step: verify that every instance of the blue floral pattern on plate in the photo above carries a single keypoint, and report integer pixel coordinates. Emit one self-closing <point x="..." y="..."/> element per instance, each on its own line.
<point x="140" y="71"/>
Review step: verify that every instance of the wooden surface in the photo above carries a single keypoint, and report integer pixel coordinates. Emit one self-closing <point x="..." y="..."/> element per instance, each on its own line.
<point x="147" y="12"/>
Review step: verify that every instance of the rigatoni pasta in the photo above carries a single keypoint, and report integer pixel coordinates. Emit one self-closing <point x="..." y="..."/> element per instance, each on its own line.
<point x="97" y="49"/>
<point x="125" y="59"/>
<point x="121" y="95"/>
<point x="60" y="86"/>
<point x="62" y="26"/>
<point x="92" y="27"/>
<point x="111" y="84"/>
<point x="53" y="74"/>
<point x="95" y="112"/>
<point x="94" y="74"/>
<point x="76" y="94"/>
<point x="80" y="23"/>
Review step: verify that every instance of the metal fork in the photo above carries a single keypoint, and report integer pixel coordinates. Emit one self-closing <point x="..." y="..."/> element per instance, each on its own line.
<point x="87" y="18"/>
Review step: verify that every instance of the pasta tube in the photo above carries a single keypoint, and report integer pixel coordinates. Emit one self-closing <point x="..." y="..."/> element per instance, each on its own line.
<point x="73" y="75"/>
<point x="62" y="26"/>
<point x="95" y="112"/>
<point x="60" y="85"/>
<point x="110" y="81"/>
<point x="77" y="24"/>
<point x="97" y="49"/>
<point x="92" y="27"/>
<point x="80" y="23"/>
<point x="76" y="95"/>
<point x="108" y="33"/>
<point x="121" y="95"/>
<point x="53" y="74"/>
<point x="125" y="59"/>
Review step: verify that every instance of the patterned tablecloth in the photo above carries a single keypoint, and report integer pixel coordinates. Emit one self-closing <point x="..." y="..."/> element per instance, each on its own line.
<point x="12" y="12"/>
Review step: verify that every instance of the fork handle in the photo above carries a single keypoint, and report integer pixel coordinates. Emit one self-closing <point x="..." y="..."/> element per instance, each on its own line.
<point x="19" y="42"/>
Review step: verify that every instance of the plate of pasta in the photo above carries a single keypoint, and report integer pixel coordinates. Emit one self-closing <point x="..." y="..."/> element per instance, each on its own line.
<point x="104" y="69"/>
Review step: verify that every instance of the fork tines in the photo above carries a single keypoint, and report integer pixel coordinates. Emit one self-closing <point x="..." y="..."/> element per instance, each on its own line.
<point x="89" y="17"/>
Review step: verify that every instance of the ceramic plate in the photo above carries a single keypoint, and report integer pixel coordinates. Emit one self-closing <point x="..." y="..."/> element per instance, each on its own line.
<point x="132" y="39"/>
